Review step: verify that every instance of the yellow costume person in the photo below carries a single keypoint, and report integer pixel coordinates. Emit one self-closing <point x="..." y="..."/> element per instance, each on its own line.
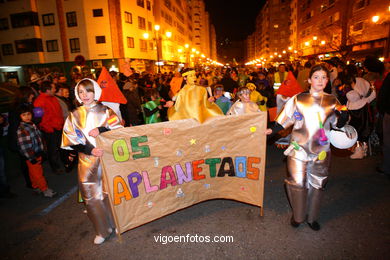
<point x="192" y="102"/>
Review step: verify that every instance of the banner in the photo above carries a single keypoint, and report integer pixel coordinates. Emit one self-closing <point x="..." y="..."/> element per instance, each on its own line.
<point x="153" y="170"/>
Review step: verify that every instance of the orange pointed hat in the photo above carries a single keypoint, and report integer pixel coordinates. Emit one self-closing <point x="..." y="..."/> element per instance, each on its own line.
<point x="110" y="90"/>
<point x="290" y="86"/>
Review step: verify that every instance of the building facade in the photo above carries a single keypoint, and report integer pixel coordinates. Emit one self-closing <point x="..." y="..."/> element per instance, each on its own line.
<point x="39" y="34"/>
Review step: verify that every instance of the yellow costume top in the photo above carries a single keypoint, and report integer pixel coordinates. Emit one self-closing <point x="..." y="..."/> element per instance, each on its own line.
<point x="191" y="102"/>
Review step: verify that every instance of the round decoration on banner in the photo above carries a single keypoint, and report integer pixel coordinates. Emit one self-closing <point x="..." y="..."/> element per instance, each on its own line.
<point x="38" y="112"/>
<point x="339" y="138"/>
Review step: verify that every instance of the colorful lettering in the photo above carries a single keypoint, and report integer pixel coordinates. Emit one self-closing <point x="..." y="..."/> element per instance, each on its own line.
<point x="222" y="171"/>
<point x="117" y="194"/>
<point x="240" y="163"/>
<point x="212" y="163"/>
<point x="144" y="149"/>
<point x="164" y="181"/>
<point x="120" y="150"/>
<point x="254" y="171"/>
<point x="181" y="176"/>
<point x="196" y="170"/>
<point x="148" y="188"/>
<point x="134" y="185"/>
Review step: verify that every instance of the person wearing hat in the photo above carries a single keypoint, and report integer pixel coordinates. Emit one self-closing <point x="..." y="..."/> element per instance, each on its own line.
<point x="81" y="128"/>
<point x="192" y="101"/>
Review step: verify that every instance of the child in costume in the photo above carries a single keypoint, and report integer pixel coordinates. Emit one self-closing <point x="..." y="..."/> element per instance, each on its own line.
<point x="31" y="147"/>
<point x="192" y="101"/>
<point x="312" y="114"/>
<point x="152" y="106"/>
<point x="256" y="97"/>
<point x="243" y="105"/>
<point x="80" y="130"/>
<point x="223" y="102"/>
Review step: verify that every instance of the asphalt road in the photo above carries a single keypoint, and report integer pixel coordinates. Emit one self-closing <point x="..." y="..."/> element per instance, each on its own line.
<point x="355" y="221"/>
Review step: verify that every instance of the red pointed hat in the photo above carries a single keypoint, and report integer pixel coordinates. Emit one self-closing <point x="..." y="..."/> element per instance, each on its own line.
<point x="110" y="90"/>
<point x="290" y="86"/>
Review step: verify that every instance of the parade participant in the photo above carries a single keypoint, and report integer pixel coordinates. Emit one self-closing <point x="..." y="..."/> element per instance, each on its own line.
<point x="192" y="101"/>
<point x="152" y="106"/>
<point x="279" y="76"/>
<point x="80" y="130"/>
<point x="243" y="105"/>
<point x="31" y="148"/>
<point x="223" y="102"/>
<point x="256" y="97"/>
<point x="312" y="114"/>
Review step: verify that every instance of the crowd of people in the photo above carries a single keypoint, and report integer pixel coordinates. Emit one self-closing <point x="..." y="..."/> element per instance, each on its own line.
<point x="54" y="120"/>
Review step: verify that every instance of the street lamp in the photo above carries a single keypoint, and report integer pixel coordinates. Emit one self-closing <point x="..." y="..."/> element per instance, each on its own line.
<point x="157" y="39"/>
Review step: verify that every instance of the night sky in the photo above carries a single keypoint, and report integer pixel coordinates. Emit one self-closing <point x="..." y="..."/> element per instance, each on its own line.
<point x="233" y="19"/>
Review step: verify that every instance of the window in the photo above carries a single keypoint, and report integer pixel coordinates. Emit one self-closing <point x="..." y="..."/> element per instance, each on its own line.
<point x="52" y="46"/>
<point x="128" y="17"/>
<point x="148" y="5"/>
<point x="4" y="24"/>
<point x="71" y="19"/>
<point x="143" y="45"/>
<point x="48" y="19"/>
<point x="168" y="4"/>
<point x="24" y="19"/>
<point x="7" y="49"/>
<point x="149" y="26"/>
<point x="100" y="39"/>
<point x="130" y="42"/>
<point x="151" y="46"/>
<point x="97" y="12"/>
<point x="358" y="26"/>
<point x="141" y="3"/>
<point x="74" y="45"/>
<point x="141" y="23"/>
<point x="361" y="4"/>
<point x="29" y="45"/>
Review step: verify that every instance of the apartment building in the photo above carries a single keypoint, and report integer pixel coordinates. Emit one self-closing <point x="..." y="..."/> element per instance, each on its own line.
<point x="37" y="35"/>
<point x="272" y="34"/>
<point x="350" y="28"/>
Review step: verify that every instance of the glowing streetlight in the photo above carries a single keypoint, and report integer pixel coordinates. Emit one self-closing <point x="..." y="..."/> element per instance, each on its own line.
<point x="323" y="42"/>
<point x="186" y="45"/>
<point x="157" y="27"/>
<point x="168" y="34"/>
<point x="307" y="43"/>
<point x="180" y="50"/>
<point x="315" y="38"/>
<point x="375" y="19"/>
<point x="289" y="48"/>
<point x="284" y="52"/>
<point x="146" y="35"/>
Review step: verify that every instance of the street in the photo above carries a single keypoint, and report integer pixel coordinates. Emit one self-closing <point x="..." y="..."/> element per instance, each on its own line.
<point x="355" y="221"/>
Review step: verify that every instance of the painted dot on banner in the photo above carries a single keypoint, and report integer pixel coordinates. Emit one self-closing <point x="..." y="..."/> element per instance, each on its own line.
<point x="156" y="161"/>
<point x="192" y="141"/>
<point x="179" y="153"/>
<point x="179" y="193"/>
<point x="223" y="148"/>
<point x="150" y="204"/>
<point x="242" y="188"/>
<point x="253" y="129"/>
<point x="207" y="148"/>
<point x="322" y="155"/>
<point x="167" y="131"/>
<point x="207" y="186"/>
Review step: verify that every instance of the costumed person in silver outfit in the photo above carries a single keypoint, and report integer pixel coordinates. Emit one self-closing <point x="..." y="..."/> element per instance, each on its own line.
<point x="243" y="105"/>
<point x="312" y="115"/>
<point x="80" y="130"/>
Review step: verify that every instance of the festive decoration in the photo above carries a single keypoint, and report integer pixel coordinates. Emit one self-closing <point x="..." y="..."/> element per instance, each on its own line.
<point x="110" y="90"/>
